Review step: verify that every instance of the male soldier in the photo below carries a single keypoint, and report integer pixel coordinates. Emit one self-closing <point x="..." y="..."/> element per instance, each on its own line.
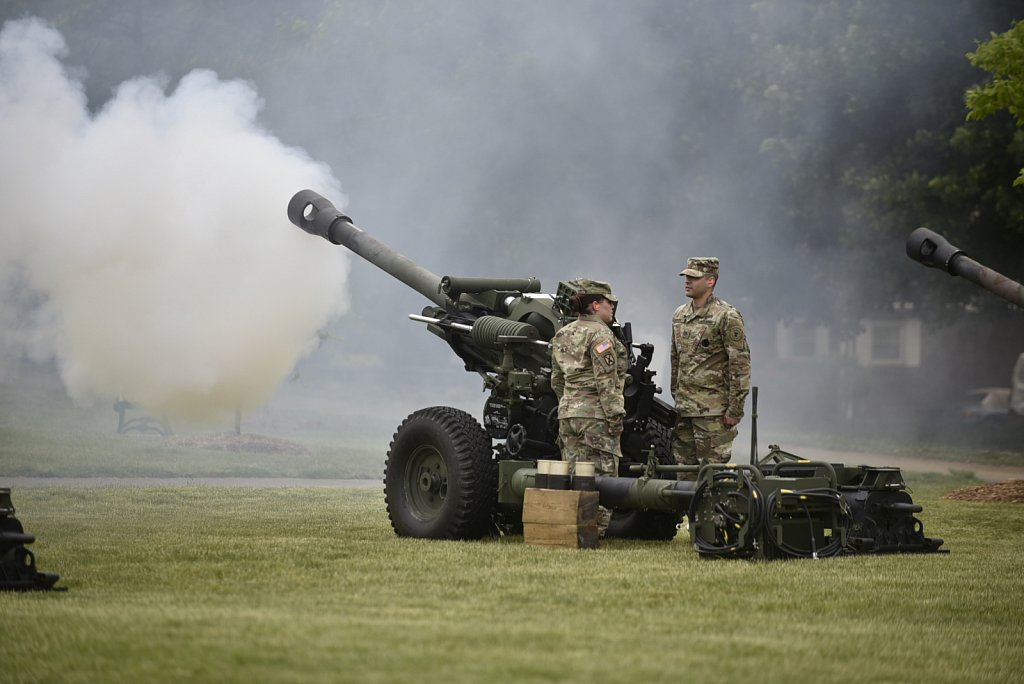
<point x="710" y="369"/>
<point x="588" y="374"/>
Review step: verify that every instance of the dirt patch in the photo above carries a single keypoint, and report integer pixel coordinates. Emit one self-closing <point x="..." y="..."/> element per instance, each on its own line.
<point x="1011" y="491"/>
<point x="229" y="441"/>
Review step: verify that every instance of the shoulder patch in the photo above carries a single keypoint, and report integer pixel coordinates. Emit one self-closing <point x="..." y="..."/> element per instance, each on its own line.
<point x="603" y="347"/>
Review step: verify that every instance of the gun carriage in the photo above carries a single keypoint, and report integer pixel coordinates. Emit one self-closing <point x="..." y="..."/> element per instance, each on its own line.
<point x="450" y="476"/>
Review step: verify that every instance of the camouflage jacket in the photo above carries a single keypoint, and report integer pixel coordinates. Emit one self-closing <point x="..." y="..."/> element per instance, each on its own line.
<point x="710" y="360"/>
<point x="588" y="370"/>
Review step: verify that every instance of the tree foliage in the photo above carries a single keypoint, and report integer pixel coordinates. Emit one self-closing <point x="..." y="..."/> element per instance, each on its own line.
<point x="1003" y="57"/>
<point x="957" y="178"/>
<point x="861" y="108"/>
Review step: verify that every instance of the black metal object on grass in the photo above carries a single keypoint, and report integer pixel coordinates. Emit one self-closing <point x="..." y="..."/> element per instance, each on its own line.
<point x="17" y="564"/>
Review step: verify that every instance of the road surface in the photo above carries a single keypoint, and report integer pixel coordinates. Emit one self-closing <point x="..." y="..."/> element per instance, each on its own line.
<point x="987" y="473"/>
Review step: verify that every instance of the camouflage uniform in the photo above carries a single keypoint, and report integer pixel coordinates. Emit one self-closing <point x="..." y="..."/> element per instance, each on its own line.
<point x="710" y="374"/>
<point x="588" y="374"/>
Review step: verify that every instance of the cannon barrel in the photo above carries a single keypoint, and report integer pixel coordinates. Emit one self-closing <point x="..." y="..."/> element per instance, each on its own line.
<point x="932" y="250"/>
<point x="316" y="215"/>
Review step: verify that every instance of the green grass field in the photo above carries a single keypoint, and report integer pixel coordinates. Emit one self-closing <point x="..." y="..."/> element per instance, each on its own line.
<point x="237" y="584"/>
<point x="227" y="584"/>
<point x="44" y="434"/>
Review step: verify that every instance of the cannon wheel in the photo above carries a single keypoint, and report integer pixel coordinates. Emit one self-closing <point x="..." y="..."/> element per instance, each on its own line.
<point x="657" y="525"/>
<point x="440" y="477"/>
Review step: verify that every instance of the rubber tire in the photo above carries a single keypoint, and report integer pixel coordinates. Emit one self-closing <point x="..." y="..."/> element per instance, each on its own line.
<point x="653" y="525"/>
<point x="440" y="477"/>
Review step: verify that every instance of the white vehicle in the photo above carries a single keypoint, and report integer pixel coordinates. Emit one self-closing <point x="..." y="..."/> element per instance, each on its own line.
<point x="1017" y="392"/>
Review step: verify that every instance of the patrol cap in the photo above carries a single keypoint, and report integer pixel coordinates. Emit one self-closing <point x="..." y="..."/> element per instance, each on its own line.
<point x="698" y="267"/>
<point x="595" y="287"/>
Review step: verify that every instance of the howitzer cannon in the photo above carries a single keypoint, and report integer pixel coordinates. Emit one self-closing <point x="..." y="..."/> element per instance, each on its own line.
<point x="931" y="249"/>
<point x="447" y="476"/>
<point x="441" y="473"/>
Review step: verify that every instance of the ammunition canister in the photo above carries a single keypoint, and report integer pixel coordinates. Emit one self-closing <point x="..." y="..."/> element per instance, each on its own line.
<point x="583" y="479"/>
<point x="540" y="481"/>
<point x="558" y="475"/>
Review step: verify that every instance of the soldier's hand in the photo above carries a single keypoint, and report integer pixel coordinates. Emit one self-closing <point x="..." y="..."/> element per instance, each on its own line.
<point x="615" y="427"/>
<point x="729" y="421"/>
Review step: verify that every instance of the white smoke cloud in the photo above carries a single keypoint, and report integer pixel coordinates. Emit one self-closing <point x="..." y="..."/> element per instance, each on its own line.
<point x="146" y="246"/>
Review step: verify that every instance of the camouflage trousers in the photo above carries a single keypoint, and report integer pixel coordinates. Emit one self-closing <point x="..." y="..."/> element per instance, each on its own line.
<point x="701" y="440"/>
<point x="587" y="439"/>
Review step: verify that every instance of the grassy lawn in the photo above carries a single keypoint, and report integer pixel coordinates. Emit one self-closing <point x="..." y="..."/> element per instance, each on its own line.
<point x="34" y="454"/>
<point x="226" y="584"/>
<point x="43" y="434"/>
<point x="219" y="584"/>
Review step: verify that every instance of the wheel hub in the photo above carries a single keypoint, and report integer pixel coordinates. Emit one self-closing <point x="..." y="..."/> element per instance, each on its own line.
<point x="430" y="482"/>
<point x="427" y="482"/>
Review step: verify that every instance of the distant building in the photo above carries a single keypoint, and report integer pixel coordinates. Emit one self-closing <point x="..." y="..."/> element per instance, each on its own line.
<point x="896" y="375"/>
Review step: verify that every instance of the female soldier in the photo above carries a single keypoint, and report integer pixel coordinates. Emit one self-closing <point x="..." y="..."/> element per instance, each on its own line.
<point x="588" y="374"/>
